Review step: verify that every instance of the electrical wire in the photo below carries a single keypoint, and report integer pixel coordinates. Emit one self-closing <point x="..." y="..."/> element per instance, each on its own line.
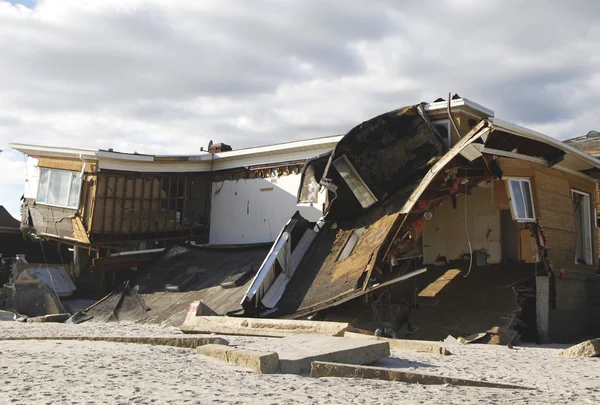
<point x="47" y="269"/>
<point x="467" y="229"/>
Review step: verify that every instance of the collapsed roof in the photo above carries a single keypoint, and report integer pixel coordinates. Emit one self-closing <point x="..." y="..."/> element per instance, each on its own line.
<point x="381" y="177"/>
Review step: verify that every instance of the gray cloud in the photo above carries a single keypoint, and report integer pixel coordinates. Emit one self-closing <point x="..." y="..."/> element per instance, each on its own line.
<point x="162" y="76"/>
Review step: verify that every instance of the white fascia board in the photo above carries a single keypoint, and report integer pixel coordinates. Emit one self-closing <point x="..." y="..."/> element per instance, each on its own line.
<point x="124" y="156"/>
<point x="265" y="159"/>
<point x="329" y="142"/>
<point x="153" y="167"/>
<point x="54" y="151"/>
<point x="518" y="130"/>
<point x="461" y="102"/>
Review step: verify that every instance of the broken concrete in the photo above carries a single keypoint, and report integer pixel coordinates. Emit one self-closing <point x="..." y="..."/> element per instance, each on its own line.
<point x="420" y="346"/>
<point x="323" y="369"/>
<point x="33" y="298"/>
<point x="589" y="348"/>
<point x="259" y="327"/>
<point x="296" y="353"/>
<point x="257" y="361"/>
<point x="181" y="342"/>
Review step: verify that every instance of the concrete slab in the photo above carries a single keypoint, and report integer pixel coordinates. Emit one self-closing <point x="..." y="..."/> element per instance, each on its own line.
<point x="324" y="369"/>
<point x="175" y="341"/>
<point x="296" y="353"/>
<point x="257" y="326"/>
<point x="260" y="362"/>
<point x="420" y="346"/>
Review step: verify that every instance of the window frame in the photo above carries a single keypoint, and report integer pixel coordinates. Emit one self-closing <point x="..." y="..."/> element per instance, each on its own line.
<point x="513" y="207"/>
<point x="587" y="223"/>
<point x="68" y="197"/>
<point x="446" y="123"/>
<point x="351" y="171"/>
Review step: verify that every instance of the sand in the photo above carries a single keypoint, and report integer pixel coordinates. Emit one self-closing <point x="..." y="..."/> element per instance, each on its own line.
<point x="82" y="372"/>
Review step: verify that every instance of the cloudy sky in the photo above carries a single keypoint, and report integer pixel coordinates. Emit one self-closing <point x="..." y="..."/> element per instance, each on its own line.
<point x="162" y="76"/>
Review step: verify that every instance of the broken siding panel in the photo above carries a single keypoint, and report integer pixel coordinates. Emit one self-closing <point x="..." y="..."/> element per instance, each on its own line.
<point x="49" y="220"/>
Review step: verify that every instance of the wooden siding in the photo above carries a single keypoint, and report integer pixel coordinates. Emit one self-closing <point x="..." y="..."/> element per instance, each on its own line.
<point x="553" y="203"/>
<point x="74" y="165"/>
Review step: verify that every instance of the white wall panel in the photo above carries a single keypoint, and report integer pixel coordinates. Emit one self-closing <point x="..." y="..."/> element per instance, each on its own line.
<point x="254" y="210"/>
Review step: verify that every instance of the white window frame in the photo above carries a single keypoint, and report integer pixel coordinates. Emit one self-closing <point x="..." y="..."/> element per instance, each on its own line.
<point x="446" y="123"/>
<point x="50" y="171"/>
<point x="366" y="198"/>
<point x="589" y="249"/>
<point x="512" y="198"/>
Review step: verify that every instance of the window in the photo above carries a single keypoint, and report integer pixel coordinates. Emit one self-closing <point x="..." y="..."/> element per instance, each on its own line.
<point x="521" y="199"/>
<point x="443" y="127"/>
<point x="59" y="187"/>
<point x="355" y="182"/>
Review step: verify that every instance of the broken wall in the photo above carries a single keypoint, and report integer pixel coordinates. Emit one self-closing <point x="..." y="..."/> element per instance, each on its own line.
<point x="254" y="210"/>
<point x="553" y="205"/>
<point x="148" y="203"/>
<point x="444" y="235"/>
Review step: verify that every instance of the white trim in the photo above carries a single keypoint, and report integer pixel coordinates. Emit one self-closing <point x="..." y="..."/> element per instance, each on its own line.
<point x="587" y="224"/>
<point x="456" y="104"/>
<point x="54" y="151"/>
<point x="521" y="180"/>
<point x="309" y="143"/>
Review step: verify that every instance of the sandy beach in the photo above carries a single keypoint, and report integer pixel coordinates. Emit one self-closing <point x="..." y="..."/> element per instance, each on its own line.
<point x="85" y="372"/>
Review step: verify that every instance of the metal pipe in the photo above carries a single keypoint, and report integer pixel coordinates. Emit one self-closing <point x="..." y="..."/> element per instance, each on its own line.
<point x="81" y="180"/>
<point x="452" y="118"/>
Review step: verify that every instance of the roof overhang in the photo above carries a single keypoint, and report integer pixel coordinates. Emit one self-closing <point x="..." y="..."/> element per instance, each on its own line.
<point x="457" y="105"/>
<point x="242" y="158"/>
<point x="577" y="160"/>
<point x="55" y="151"/>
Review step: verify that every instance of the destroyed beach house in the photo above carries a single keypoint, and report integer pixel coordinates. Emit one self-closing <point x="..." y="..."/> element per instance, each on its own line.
<point x="428" y="189"/>
<point x="422" y="185"/>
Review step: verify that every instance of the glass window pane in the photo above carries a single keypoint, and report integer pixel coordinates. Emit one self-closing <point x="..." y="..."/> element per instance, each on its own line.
<point x="75" y="189"/>
<point x="355" y="183"/>
<point x="43" y="185"/>
<point x="518" y="202"/>
<point x="60" y="181"/>
<point x="528" y="201"/>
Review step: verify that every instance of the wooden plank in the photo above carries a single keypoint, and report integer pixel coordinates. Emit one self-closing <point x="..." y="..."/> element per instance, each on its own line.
<point x="79" y="231"/>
